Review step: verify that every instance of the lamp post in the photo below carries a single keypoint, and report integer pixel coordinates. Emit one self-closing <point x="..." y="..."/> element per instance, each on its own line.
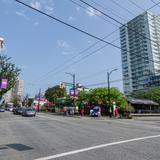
<point x="108" y="79"/>
<point x="1" y="42"/>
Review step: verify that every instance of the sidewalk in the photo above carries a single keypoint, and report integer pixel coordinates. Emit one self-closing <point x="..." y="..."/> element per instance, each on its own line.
<point x="79" y="116"/>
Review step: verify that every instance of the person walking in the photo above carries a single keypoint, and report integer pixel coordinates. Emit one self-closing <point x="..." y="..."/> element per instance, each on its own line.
<point x="116" y="113"/>
<point x="110" y="113"/>
<point x="82" y="111"/>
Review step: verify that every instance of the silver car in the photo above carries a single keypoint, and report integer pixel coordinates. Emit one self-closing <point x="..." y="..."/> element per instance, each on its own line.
<point x="2" y="109"/>
<point x="28" y="112"/>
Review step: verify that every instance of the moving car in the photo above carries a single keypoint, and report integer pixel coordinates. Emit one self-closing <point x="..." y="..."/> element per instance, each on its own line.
<point x="28" y="112"/>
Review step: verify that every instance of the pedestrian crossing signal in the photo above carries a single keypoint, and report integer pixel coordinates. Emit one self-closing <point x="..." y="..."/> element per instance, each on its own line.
<point x="61" y="85"/>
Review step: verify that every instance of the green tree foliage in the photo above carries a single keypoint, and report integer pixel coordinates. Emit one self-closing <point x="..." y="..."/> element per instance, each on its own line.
<point x="142" y="94"/>
<point x="151" y="94"/>
<point x="16" y="101"/>
<point x="8" y="71"/>
<point x="55" y="92"/>
<point x="154" y="94"/>
<point x="83" y="98"/>
<point x="100" y="95"/>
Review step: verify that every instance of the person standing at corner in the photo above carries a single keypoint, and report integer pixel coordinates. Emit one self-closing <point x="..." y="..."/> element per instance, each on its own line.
<point x="110" y="113"/>
<point x="82" y="111"/>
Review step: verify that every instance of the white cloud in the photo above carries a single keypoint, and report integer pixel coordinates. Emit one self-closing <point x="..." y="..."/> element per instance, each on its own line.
<point x="65" y="53"/>
<point x="46" y="6"/>
<point x="36" y="23"/>
<point x="66" y="49"/>
<point x="22" y="66"/>
<point x="92" y="12"/>
<point x="78" y="9"/>
<point x="77" y="57"/>
<point x="70" y="18"/>
<point x="48" y="9"/>
<point x="22" y="14"/>
<point x="89" y="42"/>
<point x="7" y="1"/>
<point x="36" y="4"/>
<point x="63" y="44"/>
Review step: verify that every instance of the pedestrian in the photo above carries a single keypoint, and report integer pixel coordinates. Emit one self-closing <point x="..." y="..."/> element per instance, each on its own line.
<point x="110" y="112"/>
<point x="90" y="111"/>
<point x="116" y="112"/>
<point x="82" y="111"/>
<point x="99" y="112"/>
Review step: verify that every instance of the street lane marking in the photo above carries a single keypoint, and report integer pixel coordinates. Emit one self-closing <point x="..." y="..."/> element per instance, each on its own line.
<point x="95" y="147"/>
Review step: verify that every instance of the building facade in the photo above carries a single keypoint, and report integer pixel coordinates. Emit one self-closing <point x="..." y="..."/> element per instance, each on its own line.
<point x="140" y="52"/>
<point x="15" y="92"/>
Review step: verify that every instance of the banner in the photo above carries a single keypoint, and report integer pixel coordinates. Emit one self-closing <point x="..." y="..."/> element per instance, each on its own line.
<point x="3" y="83"/>
<point x="73" y="93"/>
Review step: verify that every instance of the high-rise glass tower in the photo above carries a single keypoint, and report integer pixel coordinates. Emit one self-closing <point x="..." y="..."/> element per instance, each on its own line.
<point x="140" y="53"/>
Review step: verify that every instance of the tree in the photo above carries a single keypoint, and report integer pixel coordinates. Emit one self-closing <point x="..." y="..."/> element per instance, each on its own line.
<point x="151" y="94"/>
<point x="139" y="94"/>
<point x="99" y="96"/>
<point x="55" y="92"/>
<point x="154" y="94"/>
<point x="83" y="98"/>
<point x="8" y="71"/>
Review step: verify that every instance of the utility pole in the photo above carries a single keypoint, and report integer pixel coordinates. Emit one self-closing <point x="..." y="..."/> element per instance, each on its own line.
<point x="39" y="96"/>
<point x="74" y="86"/>
<point x="109" y="94"/>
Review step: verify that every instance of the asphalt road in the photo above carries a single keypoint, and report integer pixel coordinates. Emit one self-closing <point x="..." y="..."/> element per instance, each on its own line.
<point x="47" y="137"/>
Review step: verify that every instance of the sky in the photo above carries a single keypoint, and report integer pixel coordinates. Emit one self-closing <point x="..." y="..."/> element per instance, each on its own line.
<point x="45" y="49"/>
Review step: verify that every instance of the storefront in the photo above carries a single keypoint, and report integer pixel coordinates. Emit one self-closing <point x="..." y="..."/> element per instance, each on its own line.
<point x="144" y="105"/>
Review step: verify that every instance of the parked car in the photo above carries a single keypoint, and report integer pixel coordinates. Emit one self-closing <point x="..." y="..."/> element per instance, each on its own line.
<point x="2" y="109"/>
<point x="28" y="112"/>
<point x="96" y="111"/>
<point x="10" y="108"/>
<point x="17" y="110"/>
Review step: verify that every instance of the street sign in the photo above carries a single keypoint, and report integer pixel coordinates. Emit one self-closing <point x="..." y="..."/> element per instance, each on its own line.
<point x="73" y="93"/>
<point x="68" y="84"/>
<point x="100" y="101"/>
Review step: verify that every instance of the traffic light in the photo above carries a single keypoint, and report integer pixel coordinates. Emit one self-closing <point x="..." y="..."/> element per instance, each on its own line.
<point x="61" y="85"/>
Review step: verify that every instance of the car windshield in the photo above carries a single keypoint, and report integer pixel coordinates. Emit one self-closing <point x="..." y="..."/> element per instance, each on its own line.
<point x="29" y="109"/>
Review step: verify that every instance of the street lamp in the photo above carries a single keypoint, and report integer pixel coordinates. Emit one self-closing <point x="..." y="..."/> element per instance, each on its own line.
<point x="108" y="78"/>
<point x="1" y="42"/>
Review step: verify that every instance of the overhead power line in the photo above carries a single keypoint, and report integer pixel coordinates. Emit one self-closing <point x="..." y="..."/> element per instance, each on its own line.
<point x="63" y="65"/>
<point x="118" y="80"/>
<point x="106" y="9"/>
<point x="77" y="61"/>
<point x="119" y="5"/>
<point x="83" y="51"/>
<point x="117" y="20"/>
<point x="136" y="5"/>
<point x="73" y="27"/>
<point x="67" y="24"/>
<point x="94" y="13"/>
